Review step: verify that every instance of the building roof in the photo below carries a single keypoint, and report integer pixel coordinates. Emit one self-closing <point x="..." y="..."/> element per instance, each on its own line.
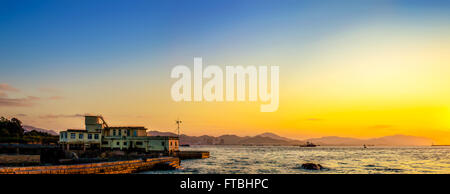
<point x="127" y="127"/>
<point x="143" y="137"/>
<point x="162" y="137"/>
<point x="76" y="130"/>
<point x="80" y="130"/>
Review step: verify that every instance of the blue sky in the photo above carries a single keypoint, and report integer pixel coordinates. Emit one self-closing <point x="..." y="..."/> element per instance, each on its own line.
<point x="46" y="42"/>
<point x="114" y="56"/>
<point x="38" y="37"/>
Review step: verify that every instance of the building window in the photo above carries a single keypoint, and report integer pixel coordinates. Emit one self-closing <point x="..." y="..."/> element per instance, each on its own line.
<point x="65" y="135"/>
<point x="162" y="143"/>
<point x="128" y="132"/>
<point x="80" y="136"/>
<point x="114" y="132"/>
<point x="62" y="135"/>
<point x="89" y="136"/>
<point x="170" y="143"/>
<point x="118" y="143"/>
<point x="139" y="143"/>
<point x="120" y="132"/>
<point x="176" y="144"/>
<point x="72" y="135"/>
<point x="135" y="133"/>
<point x="105" y="143"/>
<point x="96" y="136"/>
<point x="124" y="143"/>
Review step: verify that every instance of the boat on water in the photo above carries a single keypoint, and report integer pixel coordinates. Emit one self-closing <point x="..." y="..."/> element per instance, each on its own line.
<point x="185" y="145"/>
<point x="309" y="144"/>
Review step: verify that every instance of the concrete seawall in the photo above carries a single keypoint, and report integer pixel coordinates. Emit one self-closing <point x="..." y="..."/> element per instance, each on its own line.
<point x="193" y="154"/>
<point x="118" y="167"/>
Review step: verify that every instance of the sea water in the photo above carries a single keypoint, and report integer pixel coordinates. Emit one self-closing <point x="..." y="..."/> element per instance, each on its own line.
<point x="336" y="160"/>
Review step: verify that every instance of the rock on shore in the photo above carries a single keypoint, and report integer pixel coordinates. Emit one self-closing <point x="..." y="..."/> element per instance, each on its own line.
<point x="312" y="166"/>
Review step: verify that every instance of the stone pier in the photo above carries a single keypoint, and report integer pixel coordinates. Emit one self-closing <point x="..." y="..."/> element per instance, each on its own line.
<point x="117" y="167"/>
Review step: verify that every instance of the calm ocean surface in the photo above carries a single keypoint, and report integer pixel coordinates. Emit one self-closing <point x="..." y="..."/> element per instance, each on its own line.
<point x="278" y="159"/>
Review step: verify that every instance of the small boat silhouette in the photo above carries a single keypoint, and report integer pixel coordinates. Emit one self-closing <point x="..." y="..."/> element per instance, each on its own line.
<point x="309" y="144"/>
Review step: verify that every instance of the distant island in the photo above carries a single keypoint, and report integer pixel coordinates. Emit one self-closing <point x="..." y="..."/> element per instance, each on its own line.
<point x="274" y="139"/>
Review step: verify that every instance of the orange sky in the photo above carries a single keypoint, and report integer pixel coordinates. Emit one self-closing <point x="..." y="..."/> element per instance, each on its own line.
<point x="379" y="76"/>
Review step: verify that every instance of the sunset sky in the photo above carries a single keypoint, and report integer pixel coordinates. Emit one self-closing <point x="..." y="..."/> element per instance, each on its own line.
<point x="347" y="68"/>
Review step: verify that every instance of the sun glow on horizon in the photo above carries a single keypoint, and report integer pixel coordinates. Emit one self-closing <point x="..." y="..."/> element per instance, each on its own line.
<point x="344" y="70"/>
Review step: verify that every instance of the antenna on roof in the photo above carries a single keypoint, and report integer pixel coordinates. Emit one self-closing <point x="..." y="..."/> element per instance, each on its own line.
<point x="178" y="121"/>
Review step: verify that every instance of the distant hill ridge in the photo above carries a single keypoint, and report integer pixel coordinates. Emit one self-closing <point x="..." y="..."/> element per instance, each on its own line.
<point x="29" y="128"/>
<point x="394" y="140"/>
<point x="273" y="139"/>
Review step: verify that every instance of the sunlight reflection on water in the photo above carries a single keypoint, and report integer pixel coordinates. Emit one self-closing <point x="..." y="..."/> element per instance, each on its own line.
<point x="287" y="160"/>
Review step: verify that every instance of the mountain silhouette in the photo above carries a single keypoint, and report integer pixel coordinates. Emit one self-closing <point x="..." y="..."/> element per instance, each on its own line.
<point x="274" y="139"/>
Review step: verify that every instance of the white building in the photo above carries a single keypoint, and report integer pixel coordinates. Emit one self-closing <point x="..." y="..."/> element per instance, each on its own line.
<point x="98" y="135"/>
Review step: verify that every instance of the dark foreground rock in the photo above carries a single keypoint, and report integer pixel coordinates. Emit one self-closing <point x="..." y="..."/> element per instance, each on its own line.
<point x="312" y="166"/>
